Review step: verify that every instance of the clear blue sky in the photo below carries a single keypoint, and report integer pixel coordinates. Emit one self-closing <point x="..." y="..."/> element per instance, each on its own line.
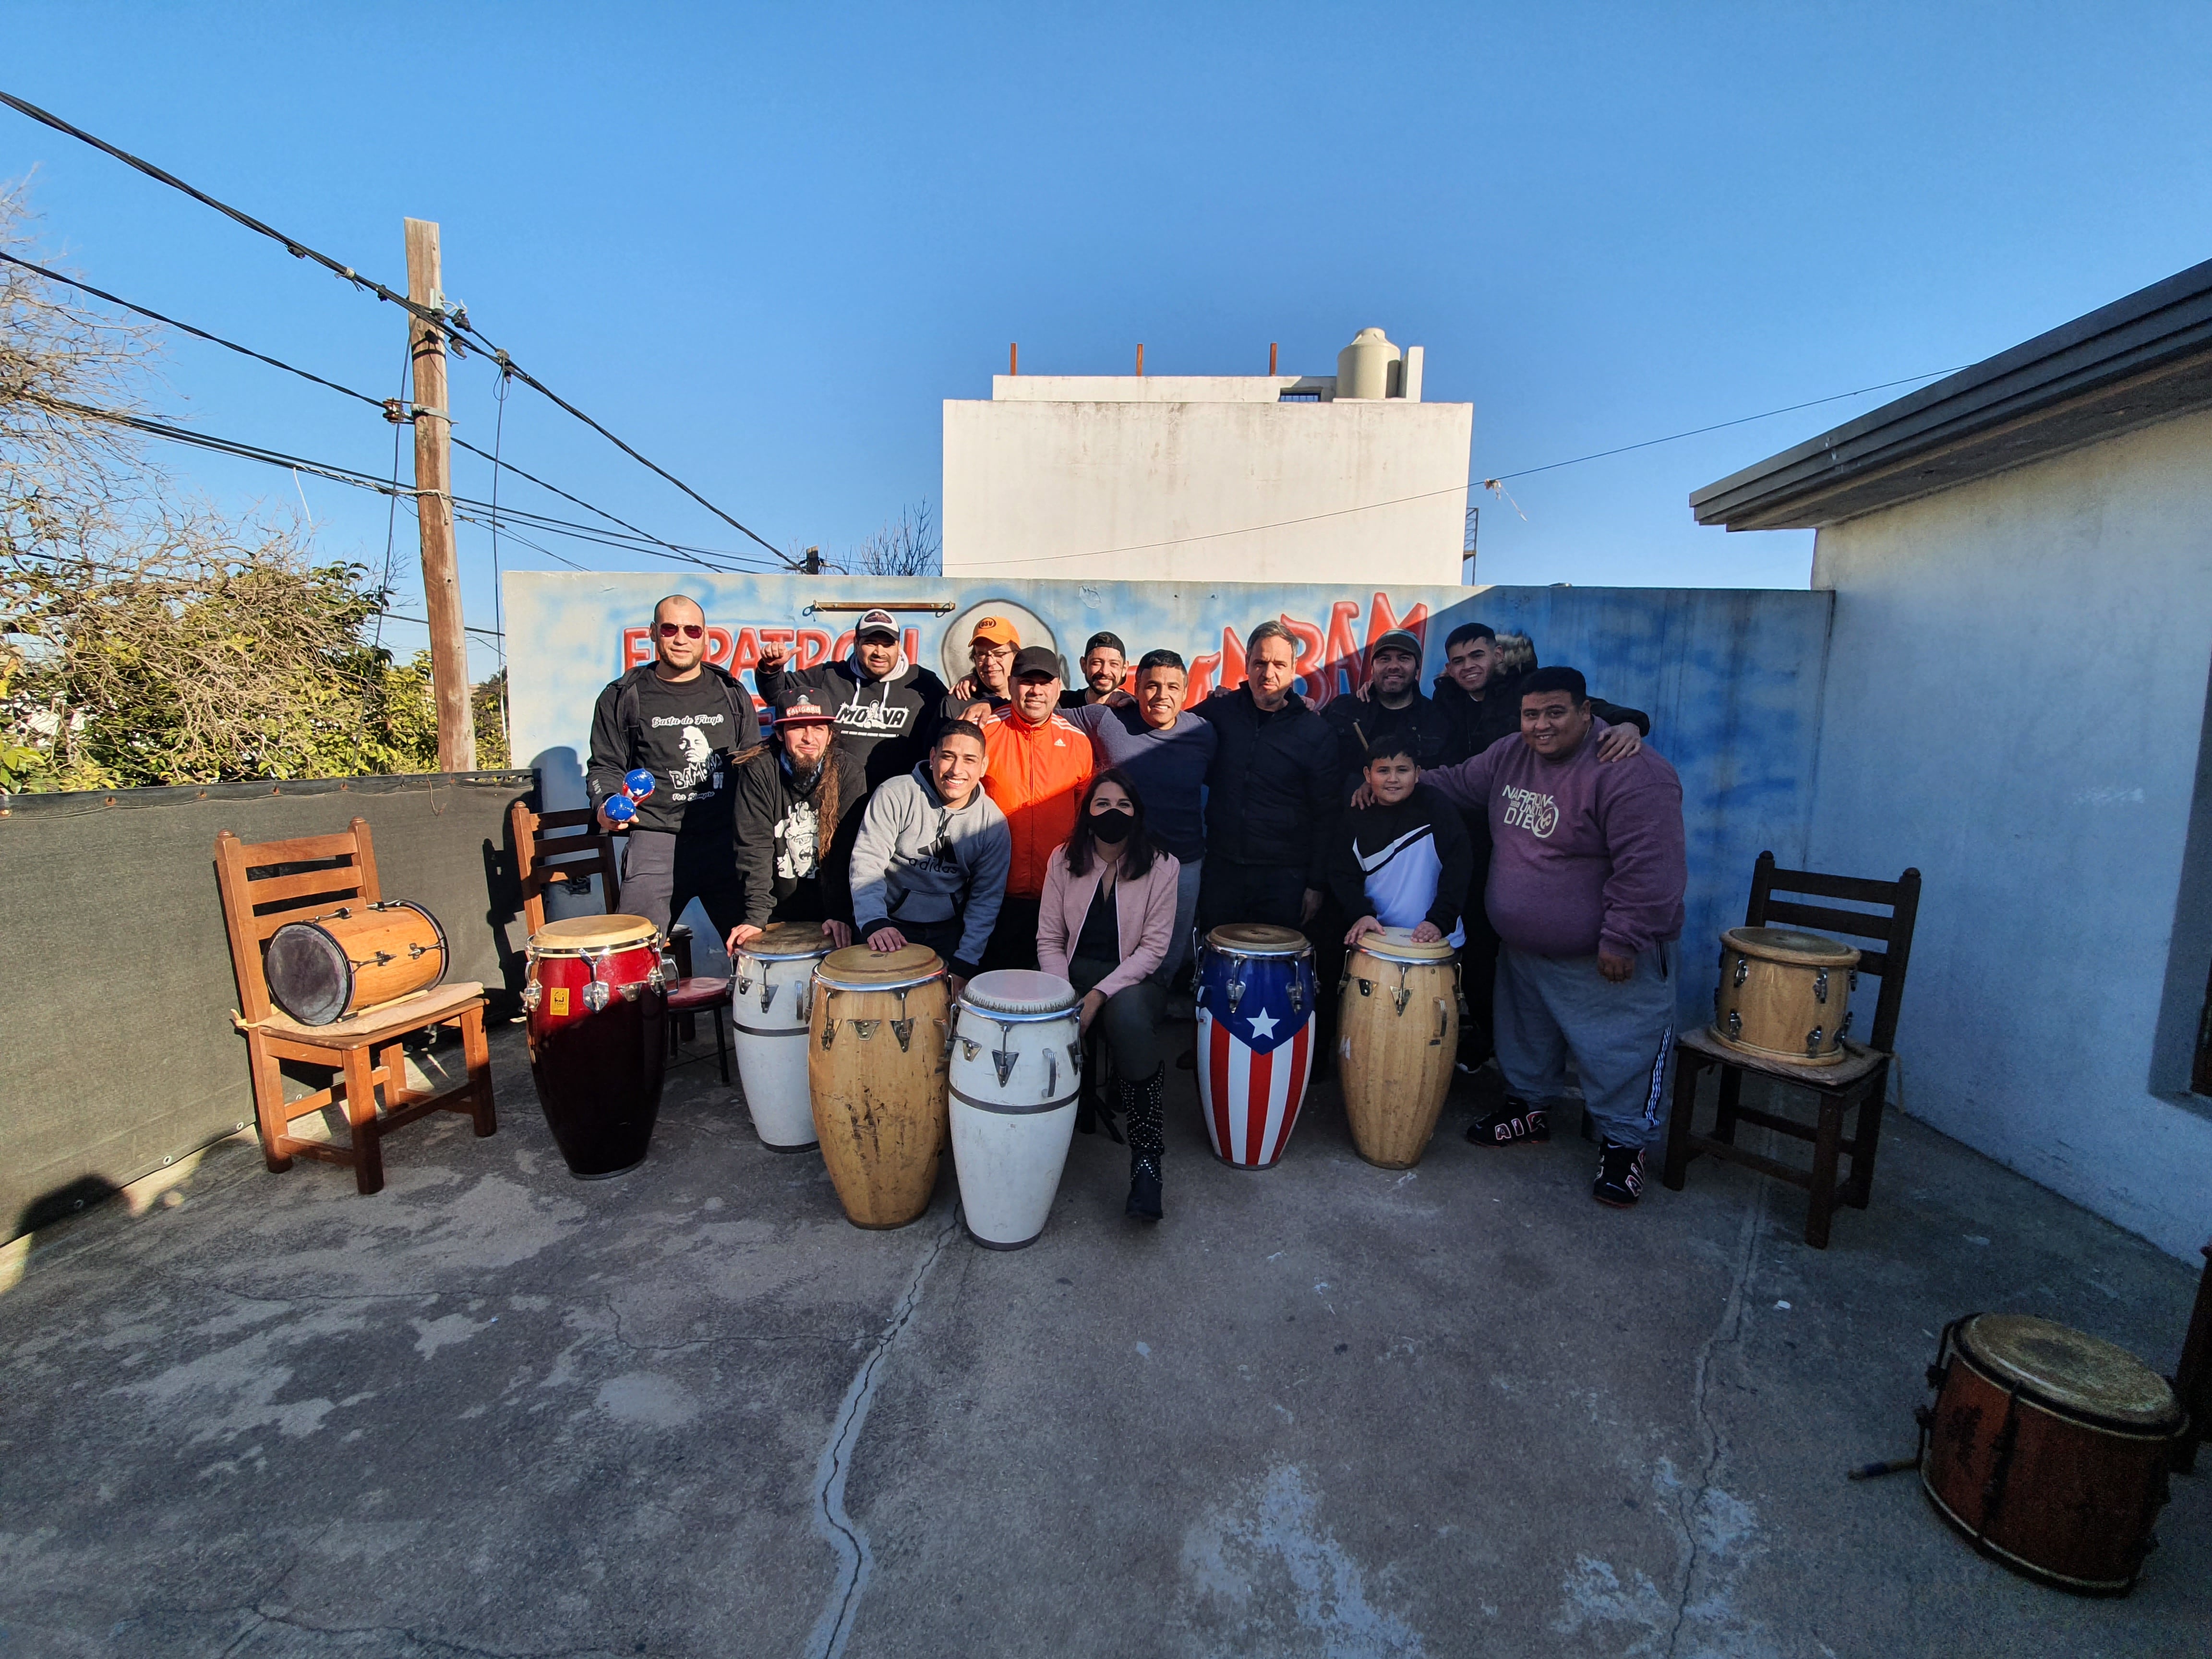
<point x="765" y="243"/>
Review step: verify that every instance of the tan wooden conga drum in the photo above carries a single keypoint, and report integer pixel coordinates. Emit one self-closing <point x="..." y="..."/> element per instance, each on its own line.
<point x="875" y="1071"/>
<point x="1784" y="994"/>
<point x="358" y="957"/>
<point x="1397" y="1036"/>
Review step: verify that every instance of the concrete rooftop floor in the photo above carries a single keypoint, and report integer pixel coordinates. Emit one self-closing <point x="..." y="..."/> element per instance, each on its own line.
<point x="1327" y="1409"/>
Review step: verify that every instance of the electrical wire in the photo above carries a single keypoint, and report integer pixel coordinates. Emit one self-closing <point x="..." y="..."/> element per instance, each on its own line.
<point x="498" y="600"/>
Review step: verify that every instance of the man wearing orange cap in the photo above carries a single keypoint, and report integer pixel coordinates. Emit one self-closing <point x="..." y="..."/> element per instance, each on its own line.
<point x="989" y="686"/>
<point x="1035" y="764"/>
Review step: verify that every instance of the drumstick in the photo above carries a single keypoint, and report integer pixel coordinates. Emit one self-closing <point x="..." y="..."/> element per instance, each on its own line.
<point x="1873" y="1471"/>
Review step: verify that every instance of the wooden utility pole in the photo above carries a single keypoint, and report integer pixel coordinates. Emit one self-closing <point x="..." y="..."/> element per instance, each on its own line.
<point x="434" y="507"/>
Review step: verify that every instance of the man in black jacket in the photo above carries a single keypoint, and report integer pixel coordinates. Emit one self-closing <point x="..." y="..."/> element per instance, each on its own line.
<point x="684" y="719"/>
<point x="1478" y="694"/>
<point x="1272" y="800"/>
<point x="886" y="707"/>
<point x="1395" y="708"/>
<point x="799" y="809"/>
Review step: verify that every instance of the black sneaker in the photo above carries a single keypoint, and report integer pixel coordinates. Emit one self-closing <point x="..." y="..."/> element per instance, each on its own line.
<point x="1515" y="1121"/>
<point x="1619" y="1175"/>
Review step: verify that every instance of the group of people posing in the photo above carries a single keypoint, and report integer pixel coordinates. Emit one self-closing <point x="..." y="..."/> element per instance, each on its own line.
<point x="1009" y="821"/>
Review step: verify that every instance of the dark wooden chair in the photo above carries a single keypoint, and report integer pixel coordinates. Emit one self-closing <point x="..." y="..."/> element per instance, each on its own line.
<point x="570" y="847"/>
<point x="1860" y="1081"/>
<point x="263" y="887"/>
<point x="2192" y="1378"/>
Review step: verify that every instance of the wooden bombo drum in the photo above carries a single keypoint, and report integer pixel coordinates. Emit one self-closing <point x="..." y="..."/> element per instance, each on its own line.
<point x="2048" y="1448"/>
<point x="1398" y="1037"/>
<point x="771" y="999"/>
<point x="1257" y="1001"/>
<point x="359" y="956"/>
<point x="876" y="1071"/>
<point x="597" y="1001"/>
<point x="1015" y="1069"/>
<point x="1784" y="994"/>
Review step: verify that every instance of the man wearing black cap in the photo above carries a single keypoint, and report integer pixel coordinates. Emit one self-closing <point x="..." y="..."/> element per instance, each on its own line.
<point x="886" y="707"/>
<point x="1395" y="708"/>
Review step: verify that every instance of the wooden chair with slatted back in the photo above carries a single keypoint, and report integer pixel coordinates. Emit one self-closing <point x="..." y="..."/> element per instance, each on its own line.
<point x="262" y="888"/>
<point x="1860" y="1081"/>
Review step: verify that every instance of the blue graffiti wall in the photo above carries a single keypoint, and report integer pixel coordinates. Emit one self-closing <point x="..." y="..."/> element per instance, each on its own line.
<point x="1731" y="677"/>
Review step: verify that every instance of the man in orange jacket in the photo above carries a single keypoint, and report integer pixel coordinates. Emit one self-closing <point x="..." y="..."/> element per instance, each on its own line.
<point x="1035" y="765"/>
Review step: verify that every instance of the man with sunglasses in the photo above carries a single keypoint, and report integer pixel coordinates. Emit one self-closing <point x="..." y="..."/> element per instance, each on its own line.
<point x="682" y="720"/>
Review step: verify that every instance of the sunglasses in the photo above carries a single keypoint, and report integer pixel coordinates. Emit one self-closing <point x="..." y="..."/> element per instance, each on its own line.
<point x="689" y="631"/>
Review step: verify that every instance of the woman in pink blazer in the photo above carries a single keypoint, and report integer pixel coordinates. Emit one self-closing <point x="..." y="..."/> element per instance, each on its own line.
<point x="1103" y="924"/>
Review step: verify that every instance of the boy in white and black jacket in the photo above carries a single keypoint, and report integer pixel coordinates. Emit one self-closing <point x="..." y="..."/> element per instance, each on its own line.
<point x="1404" y="860"/>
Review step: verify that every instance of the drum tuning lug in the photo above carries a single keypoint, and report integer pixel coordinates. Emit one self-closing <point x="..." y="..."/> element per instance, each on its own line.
<point x="1235" y="994"/>
<point x="670" y="977"/>
<point x="903" y="1030"/>
<point x="1820" y="986"/>
<point x="1075" y="1058"/>
<point x="629" y="991"/>
<point x="417" y="951"/>
<point x="1844" y="1029"/>
<point x="745" y="985"/>
<point x="864" y="1028"/>
<point x="596" y="995"/>
<point x="1051" y="1074"/>
<point x="829" y="1032"/>
<point x="1743" y="969"/>
<point x="1366" y="987"/>
<point x="1855" y="979"/>
<point x="1813" y="1040"/>
<point x="1736" y="1022"/>
<point x="971" y="1048"/>
<point x="1004" y="1058"/>
<point x="1443" y="1019"/>
<point x="768" y="992"/>
<point x="1400" y="998"/>
<point x="532" y="995"/>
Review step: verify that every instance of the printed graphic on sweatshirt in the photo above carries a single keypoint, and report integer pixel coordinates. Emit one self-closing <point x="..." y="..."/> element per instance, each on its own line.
<point x="1526" y="810"/>
<point x="1401" y="880"/>
<point x="874" y="719"/>
<point x="693" y="771"/>
<point x="798" y="841"/>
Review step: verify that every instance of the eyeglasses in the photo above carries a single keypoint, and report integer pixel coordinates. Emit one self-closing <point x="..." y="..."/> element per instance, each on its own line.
<point x="689" y="631"/>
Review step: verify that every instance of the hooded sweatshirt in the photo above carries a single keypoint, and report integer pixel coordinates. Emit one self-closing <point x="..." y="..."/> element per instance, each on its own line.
<point x="1404" y="864"/>
<point x="1585" y="854"/>
<point x="685" y="732"/>
<point x="886" y="723"/>
<point x="918" y="859"/>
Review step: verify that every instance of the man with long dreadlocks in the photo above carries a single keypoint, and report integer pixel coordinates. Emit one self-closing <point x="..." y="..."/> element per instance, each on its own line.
<point x="798" y="807"/>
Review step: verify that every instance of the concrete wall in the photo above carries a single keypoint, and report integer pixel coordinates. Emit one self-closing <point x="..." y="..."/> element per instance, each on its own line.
<point x="2016" y="705"/>
<point x="1131" y="488"/>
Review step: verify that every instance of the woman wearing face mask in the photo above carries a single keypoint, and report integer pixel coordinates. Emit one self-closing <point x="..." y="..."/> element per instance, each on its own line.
<point x="1103" y="924"/>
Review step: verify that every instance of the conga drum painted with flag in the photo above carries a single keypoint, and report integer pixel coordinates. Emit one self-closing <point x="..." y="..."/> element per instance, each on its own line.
<point x="598" y="1012"/>
<point x="1016" y="1060"/>
<point x="1397" y="1038"/>
<point x="1257" y="1002"/>
<point x="771" y="1000"/>
<point x="876" y="1071"/>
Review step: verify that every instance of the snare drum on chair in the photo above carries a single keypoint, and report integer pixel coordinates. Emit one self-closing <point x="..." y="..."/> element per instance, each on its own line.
<point x="771" y="996"/>
<point x="1398" y="1038"/>
<point x="597" y="1006"/>
<point x="1017" y="1060"/>
<point x="875" y="1065"/>
<point x="1784" y="994"/>
<point x="1256" y="1003"/>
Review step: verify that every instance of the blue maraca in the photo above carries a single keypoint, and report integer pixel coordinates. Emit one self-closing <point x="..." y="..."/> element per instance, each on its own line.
<point x="637" y="784"/>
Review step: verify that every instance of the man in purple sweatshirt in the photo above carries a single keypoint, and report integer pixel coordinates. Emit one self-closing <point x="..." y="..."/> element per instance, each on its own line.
<point x="1585" y="890"/>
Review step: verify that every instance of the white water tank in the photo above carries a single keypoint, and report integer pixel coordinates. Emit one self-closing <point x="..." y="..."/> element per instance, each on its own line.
<point x="1363" y="369"/>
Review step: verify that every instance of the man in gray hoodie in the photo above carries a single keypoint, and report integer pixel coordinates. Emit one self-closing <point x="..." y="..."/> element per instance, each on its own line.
<point x="930" y="865"/>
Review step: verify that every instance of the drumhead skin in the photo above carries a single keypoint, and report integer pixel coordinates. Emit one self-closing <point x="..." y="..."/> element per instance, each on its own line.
<point x="2075" y="1371"/>
<point x="308" y="973"/>
<point x="859" y="966"/>
<point x="1257" y="939"/>
<point x="1020" y="991"/>
<point x="788" y="941"/>
<point x="1396" y="944"/>
<point x="580" y="935"/>
<point x="1790" y="944"/>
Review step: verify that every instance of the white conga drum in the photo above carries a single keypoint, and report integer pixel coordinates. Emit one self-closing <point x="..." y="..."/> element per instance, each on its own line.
<point x="1784" y="994"/>
<point x="771" y="996"/>
<point x="1397" y="1039"/>
<point x="1017" y="1061"/>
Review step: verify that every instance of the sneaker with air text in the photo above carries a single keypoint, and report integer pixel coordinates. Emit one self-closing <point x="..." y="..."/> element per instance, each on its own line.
<point x="1619" y="1175"/>
<point x="1516" y="1121"/>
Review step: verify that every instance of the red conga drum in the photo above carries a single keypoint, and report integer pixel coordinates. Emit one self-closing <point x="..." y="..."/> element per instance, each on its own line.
<point x="598" y="1008"/>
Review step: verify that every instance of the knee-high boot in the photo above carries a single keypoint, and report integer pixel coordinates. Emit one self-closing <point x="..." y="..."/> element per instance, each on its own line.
<point x="1140" y="1106"/>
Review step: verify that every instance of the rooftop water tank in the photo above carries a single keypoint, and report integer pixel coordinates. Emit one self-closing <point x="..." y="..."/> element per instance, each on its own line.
<point x="1363" y="369"/>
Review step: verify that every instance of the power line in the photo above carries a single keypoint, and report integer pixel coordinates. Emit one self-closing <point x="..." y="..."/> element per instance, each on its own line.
<point x="453" y="322"/>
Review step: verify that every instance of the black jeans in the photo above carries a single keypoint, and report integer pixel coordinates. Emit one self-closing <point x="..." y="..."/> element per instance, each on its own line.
<point x="1272" y="893"/>
<point x="662" y="873"/>
<point x="1014" y="939"/>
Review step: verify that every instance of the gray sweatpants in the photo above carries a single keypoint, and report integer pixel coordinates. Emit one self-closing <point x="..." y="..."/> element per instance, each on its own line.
<point x="1621" y="1037"/>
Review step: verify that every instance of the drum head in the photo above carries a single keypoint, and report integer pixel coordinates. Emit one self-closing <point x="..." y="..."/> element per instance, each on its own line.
<point x="858" y="966"/>
<point x="1257" y="939"/>
<point x="1790" y="944"/>
<point x="579" y="934"/>
<point x="1396" y="944"/>
<point x="308" y="973"/>
<point x="2081" y="1373"/>
<point x="1020" y="991"/>
<point x="788" y="941"/>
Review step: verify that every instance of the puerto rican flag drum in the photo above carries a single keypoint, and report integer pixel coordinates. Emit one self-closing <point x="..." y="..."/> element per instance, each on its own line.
<point x="1256" y="1003"/>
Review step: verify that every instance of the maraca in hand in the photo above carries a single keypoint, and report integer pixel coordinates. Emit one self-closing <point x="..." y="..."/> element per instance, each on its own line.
<point x="637" y="784"/>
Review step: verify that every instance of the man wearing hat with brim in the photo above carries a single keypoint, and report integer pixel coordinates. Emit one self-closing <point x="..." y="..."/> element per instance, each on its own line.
<point x="798" y="806"/>
<point x="886" y="709"/>
<point x="1035" y="766"/>
<point x="989" y="686"/>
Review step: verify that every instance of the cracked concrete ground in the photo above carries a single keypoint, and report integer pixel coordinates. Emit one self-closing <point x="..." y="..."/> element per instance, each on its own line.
<point x="1325" y="1409"/>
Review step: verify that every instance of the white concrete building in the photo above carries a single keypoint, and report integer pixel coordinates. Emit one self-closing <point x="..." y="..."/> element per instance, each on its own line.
<point x="2016" y="702"/>
<point x="1278" y="478"/>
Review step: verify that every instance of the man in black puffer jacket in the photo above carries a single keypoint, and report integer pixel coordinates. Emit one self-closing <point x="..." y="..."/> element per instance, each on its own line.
<point x="887" y="707"/>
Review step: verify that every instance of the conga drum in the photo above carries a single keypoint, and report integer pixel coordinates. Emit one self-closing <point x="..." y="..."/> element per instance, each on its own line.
<point x="359" y="956"/>
<point x="1784" y="994"/>
<point x="1256" y="1004"/>
<point x="1397" y="1038"/>
<point x="597" y="1001"/>
<point x="875" y="1068"/>
<point x="2048" y="1448"/>
<point x="771" y="994"/>
<point x="1016" y="1060"/>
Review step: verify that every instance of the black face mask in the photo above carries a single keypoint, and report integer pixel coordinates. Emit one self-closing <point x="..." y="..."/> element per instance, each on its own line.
<point x="1113" y="825"/>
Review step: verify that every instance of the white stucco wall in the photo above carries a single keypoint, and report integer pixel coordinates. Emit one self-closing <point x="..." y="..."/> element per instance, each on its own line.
<point x="2015" y="703"/>
<point x="1243" y="489"/>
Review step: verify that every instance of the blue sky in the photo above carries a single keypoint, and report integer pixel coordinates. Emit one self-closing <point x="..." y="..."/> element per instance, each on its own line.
<point x="763" y="244"/>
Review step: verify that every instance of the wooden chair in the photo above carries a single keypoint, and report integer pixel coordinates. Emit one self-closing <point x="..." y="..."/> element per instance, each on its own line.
<point x="2192" y="1378"/>
<point x="263" y="887"/>
<point x="1861" y="1079"/>
<point x="543" y="857"/>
